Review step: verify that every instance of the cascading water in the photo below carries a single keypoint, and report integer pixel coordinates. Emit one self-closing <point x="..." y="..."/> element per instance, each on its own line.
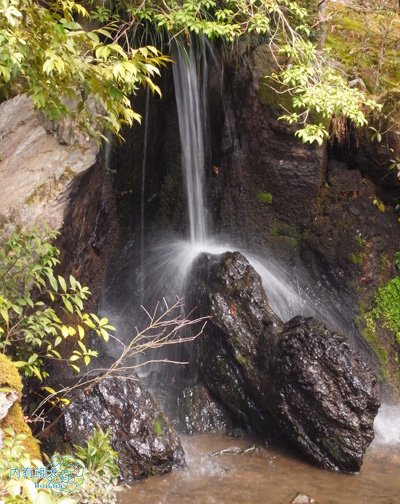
<point x="173" y="260"/>
<point x="188" y="93"/>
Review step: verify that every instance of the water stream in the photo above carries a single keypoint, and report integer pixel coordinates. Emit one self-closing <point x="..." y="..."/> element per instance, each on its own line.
<point x="275" y="474"/>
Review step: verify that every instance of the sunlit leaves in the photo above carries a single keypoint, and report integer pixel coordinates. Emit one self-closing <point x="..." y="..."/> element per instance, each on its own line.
<point x="319" y="93"/>
<point x="69" y="71"/>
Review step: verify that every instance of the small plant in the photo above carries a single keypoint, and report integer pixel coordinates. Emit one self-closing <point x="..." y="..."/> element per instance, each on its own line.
<point x="100" y="461"/>
<point x="23" y="489"/>
<point x="98" y="454"/>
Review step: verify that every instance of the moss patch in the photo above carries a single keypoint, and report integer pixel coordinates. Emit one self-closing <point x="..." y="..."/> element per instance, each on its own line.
<point x="283" y="229"/>
<point x="159" y="426"/>
<point x="264" y="197"/>
<point x="9" y="377"/>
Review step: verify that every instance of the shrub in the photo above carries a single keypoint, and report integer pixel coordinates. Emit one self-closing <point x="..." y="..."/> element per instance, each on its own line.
<point x="40" y="309"/>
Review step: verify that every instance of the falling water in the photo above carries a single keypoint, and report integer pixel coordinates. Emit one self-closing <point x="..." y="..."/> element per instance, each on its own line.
<point x="172" y="261"/>
<point x="188" y="92"/>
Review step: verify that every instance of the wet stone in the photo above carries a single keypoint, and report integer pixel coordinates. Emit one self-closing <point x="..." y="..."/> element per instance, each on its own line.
<point x="298" y="378"/>
<point x="139" y="431"/>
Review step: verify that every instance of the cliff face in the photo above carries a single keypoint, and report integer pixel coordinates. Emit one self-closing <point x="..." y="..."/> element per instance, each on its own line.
<point x="38" y="162"/>
<point x="329" y="210"/>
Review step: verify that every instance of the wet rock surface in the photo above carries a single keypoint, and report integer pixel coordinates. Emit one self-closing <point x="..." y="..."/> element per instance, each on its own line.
<point x="233" y="354"/>
<point x="324" y="397"/>
<point x="139" y="431"/>
<point x="300" y="378"/>
<point x="200" y="413"/>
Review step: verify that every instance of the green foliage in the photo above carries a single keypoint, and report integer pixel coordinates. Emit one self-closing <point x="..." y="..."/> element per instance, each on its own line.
<point x="318" y="91"/>
<point x="159" y="426"/>
<point x="39" y="310"/>
<point x="100" y="460"/>
<point x="264" y="197"/>
<point x="226" y="19"/>
<point x="98" y="454"/>
<point x="99" y="484"/>
<point x="69" y="71"/>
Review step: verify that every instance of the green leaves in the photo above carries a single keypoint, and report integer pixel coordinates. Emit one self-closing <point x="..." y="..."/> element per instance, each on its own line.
<point x="54" y="60"/>
<point x="98" y="454"/>
<point x="37" y="307"/>
<point x="318" y="93"/>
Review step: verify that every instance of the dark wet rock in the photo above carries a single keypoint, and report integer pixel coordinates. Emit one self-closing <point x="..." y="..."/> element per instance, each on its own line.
<point x="324" y="397"/>
<point x="200" y="413"/>
<point x="300" y="378"/>
<point x="232" y="350"/>
<point x="139" y="431"/>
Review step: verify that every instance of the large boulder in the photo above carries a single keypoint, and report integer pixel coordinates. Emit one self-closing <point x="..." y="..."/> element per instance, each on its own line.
<point x="299" y="378"/>
<point x="232" y="350"/>
<point x="139" y="431"/>
<point x="322" y="395"/>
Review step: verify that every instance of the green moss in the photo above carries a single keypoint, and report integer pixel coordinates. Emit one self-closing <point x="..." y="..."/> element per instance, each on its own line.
<point x="243" y="360"/>
<point x="387" y="306"/>
<point x="356" y="258"/>
<point x="284" y="229"/>
<point x="9" y="377"/>
<point x="159" y="426"/>
<point x="385" y="310"/>
<point x="355" y="39"/>
<point x="15" y="420"/>
<point x="264" y="197"/>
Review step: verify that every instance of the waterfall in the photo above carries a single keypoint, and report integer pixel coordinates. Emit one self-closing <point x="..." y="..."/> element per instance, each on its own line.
<point x="188" y="92"/>
<point x="287" y="296"/>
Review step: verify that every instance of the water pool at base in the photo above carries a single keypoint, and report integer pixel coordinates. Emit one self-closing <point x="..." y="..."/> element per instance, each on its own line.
<point x="269" y="475"/>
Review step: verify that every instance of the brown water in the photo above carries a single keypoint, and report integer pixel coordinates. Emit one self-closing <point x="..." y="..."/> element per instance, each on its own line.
<point x="267" y="476"/>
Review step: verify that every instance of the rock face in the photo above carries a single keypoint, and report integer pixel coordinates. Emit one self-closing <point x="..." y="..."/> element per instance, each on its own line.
<point x="139" y="431"/>
<point x="300" y="378"/>
<point x="37" y="163"/>
<point x="200" y="413"/>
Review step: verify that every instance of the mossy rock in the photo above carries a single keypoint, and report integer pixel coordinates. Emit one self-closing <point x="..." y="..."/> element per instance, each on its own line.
<point x="10" y="378"/>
